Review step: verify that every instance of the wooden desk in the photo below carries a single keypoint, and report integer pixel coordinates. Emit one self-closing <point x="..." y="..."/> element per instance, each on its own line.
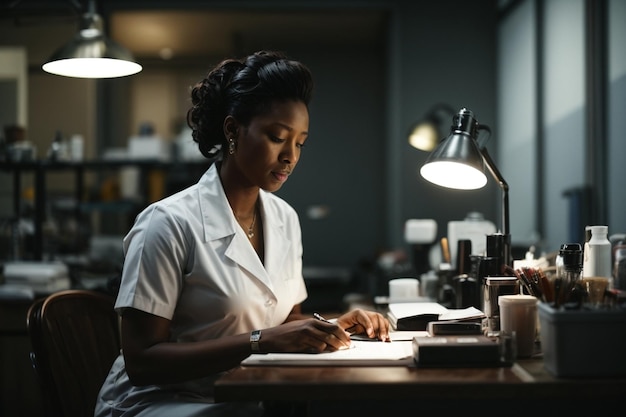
<point x="526" y="384"/>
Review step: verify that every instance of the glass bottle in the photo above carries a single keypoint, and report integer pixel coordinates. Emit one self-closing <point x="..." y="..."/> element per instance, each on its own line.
<point x="568" y="274"/>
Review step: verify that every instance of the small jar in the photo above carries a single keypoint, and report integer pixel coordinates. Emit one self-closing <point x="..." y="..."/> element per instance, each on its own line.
<point x="568" y="273"/>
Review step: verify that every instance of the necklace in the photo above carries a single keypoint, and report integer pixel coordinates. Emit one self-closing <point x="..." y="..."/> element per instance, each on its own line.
<point x="250" y="231"/>
<point x="251" y="228"/>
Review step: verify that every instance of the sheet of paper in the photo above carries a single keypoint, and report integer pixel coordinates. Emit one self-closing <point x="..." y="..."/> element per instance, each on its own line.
<point x="462" y="314"/>
<point x="362" y="353"/>
<point x="395" y="335"/>
<point x="407" y="335"/>
<point x="401" y="310"/>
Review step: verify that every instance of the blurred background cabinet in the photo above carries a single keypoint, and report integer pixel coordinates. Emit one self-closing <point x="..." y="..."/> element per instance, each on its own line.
<point x="47" y="224"/>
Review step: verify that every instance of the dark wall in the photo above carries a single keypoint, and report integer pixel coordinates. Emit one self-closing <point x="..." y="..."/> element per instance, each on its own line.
<point x="342" y="163"/>
<point x="447" y="53"/>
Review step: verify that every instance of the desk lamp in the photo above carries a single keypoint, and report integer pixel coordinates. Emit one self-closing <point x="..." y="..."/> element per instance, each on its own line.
<point x="91" y="54"/>
<point x="458" y="162"/>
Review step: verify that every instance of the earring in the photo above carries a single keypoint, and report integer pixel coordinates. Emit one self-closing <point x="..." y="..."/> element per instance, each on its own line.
<point x="231" y="146"/>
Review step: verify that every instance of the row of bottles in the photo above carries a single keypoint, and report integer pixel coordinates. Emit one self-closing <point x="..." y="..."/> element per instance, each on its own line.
<point x="62" y="149"/>
<point x="586" y="273"/>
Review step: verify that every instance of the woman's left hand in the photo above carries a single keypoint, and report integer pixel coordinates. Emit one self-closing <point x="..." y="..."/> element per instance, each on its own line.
<point x="371" y="323"/>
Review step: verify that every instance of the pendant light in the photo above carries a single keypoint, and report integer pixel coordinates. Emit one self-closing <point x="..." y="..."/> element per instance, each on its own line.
<point x="91" y="54"/>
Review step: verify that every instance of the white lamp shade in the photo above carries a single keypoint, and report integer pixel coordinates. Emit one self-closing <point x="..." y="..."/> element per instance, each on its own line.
<point x="92" y="67"/>
<point x="455" y="175"/>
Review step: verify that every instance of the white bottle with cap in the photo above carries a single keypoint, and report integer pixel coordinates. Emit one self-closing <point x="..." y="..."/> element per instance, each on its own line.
<point x="597" y="255"/>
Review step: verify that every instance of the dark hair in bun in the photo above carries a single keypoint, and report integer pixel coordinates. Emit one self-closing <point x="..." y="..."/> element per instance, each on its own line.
<point x="244" y="89"/>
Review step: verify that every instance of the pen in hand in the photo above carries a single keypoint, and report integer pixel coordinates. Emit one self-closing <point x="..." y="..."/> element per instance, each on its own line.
<point x="352" y="335"/>
<point x="320" y="318"/>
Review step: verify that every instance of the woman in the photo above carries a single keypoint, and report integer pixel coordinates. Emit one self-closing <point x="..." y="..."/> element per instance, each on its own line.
<point x="214" y="272"/>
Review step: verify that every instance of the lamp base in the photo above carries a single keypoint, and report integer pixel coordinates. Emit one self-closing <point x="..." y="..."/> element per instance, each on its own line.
<point x="499" y="246"/>
<point x="507" y="251"/>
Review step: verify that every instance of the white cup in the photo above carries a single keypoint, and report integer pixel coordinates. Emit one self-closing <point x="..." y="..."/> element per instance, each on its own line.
<point x="518" y="315"/>
<point x="402" y="289"/>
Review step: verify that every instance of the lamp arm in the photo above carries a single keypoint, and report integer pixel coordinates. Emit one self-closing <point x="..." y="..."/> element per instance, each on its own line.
<point x="507" y="250"/>
<point x="503" y="185"/>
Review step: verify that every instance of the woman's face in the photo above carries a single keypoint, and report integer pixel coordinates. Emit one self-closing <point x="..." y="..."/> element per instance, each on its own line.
<point x="269" y="148"/>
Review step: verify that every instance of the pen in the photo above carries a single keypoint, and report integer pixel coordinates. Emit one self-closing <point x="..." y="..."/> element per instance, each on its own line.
<point x="320" y="318"/>
<point x="352" y="335"/>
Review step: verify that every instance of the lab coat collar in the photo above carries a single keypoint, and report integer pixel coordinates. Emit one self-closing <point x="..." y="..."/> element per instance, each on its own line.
<point x="218" y="218"/>
<point x="220" y="223"/>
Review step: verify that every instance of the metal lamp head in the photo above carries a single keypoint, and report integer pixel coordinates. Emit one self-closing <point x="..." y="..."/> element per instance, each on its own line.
<point x="457" y="161"/>
<point x="91" y="54"/>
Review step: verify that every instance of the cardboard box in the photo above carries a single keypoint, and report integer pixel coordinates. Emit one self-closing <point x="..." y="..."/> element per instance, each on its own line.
<point x="583" y="342"/>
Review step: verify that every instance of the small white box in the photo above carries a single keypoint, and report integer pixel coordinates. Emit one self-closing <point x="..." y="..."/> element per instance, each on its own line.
<point x="420" y="231"/>
<point x="148" y="147"/>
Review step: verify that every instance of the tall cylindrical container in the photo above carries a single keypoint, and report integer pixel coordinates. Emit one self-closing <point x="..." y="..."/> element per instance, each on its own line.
<point x="568" y="270"/>
<point x="597" y="268"/>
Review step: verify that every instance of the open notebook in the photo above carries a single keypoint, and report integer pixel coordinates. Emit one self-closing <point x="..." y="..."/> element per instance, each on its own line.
<point x="362" y="353"/>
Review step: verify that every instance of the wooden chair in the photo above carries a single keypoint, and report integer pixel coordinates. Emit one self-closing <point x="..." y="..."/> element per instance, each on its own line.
<point x="75" y="339"/>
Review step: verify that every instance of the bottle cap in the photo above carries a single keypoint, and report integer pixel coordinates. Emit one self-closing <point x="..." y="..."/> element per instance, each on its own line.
<point x="572" y="255"/>
<point x="599" y="230"/>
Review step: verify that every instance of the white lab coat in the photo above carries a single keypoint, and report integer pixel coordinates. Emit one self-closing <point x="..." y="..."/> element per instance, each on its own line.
<point x="188" y="260"/>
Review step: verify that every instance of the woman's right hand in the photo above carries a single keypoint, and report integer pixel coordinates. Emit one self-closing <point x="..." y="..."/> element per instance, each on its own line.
<point x="307" y="335"/>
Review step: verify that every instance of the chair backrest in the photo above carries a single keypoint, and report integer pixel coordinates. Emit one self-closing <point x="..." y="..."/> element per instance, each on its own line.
<point x="75" y="339"/>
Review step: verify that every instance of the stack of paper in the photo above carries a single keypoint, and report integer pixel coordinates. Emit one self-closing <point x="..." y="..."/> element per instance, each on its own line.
<point x="416" y="316"/>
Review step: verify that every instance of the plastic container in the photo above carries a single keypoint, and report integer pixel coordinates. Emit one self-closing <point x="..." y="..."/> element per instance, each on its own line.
<point x="597" y="253"/>
<point x="583" y="343"/>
